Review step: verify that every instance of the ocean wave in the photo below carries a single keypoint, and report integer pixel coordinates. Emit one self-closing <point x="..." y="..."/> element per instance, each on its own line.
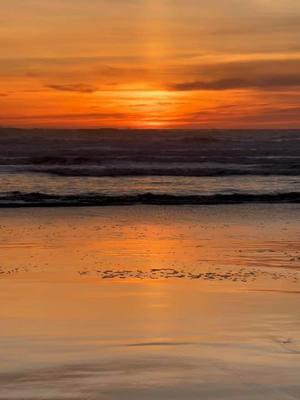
<point x="144" y="169"/>
<point x="36" y="199"/>
<point x="137" y="171"/>
<point x="115" y="153"/>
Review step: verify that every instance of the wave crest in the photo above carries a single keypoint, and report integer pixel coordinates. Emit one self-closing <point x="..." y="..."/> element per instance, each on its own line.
<point x="36" y="199"/>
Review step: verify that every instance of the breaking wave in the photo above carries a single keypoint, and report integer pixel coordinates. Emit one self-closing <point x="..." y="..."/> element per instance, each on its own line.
<point x="36" y="199"/>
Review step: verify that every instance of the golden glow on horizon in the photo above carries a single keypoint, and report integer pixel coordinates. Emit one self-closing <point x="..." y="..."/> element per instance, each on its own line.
<point x="157" y="63"/>
<point x="149" y="108"/>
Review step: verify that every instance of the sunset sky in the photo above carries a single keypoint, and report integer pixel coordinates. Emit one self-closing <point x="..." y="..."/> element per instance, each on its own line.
<point x="150" y="63"/>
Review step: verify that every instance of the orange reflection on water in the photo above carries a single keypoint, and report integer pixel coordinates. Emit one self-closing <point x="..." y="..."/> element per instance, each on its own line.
<point x="57" y="313"/>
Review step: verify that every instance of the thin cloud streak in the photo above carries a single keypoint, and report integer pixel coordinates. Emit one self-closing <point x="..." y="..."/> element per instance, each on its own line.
<point x="77" y="88"/>
<point x="263" y="82"/>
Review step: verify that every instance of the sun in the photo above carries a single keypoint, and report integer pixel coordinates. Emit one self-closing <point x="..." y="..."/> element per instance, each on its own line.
<point x="146" y="107"/>
<point x="139" y="106"/>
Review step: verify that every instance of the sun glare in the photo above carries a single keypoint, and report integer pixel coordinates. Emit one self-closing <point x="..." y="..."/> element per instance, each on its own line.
<point x="148" y="108"/>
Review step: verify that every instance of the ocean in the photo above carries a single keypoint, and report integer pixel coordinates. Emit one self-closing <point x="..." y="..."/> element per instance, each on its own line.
<point x="124" y="167"/>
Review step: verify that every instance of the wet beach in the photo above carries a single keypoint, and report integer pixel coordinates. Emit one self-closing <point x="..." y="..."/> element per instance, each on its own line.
<point x="150" y="302"/>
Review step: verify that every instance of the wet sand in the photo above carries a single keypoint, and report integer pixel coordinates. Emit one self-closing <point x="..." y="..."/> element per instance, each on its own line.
<point x="150" y="303"/>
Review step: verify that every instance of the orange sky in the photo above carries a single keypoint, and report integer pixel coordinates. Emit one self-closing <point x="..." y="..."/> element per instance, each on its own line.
<point x="150" y="63"/>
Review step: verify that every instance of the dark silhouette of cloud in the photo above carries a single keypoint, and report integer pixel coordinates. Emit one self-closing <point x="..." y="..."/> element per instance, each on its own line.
<point x="262" y="82"/>
<point x="256" y="74"/>
<point x="76" y="88"/>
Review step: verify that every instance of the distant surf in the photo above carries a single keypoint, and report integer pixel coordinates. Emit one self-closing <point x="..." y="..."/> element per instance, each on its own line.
<point x="109" y="152"/>
<point x="69" y="168"/>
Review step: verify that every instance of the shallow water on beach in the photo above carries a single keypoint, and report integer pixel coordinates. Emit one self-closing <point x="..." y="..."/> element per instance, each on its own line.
<point x="150" y="303"/>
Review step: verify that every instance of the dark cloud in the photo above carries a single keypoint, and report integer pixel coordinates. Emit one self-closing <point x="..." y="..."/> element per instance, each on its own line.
<point x="258" y="74"/>
<point x="263" y="82"/>
<point x="76" y="88"/>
